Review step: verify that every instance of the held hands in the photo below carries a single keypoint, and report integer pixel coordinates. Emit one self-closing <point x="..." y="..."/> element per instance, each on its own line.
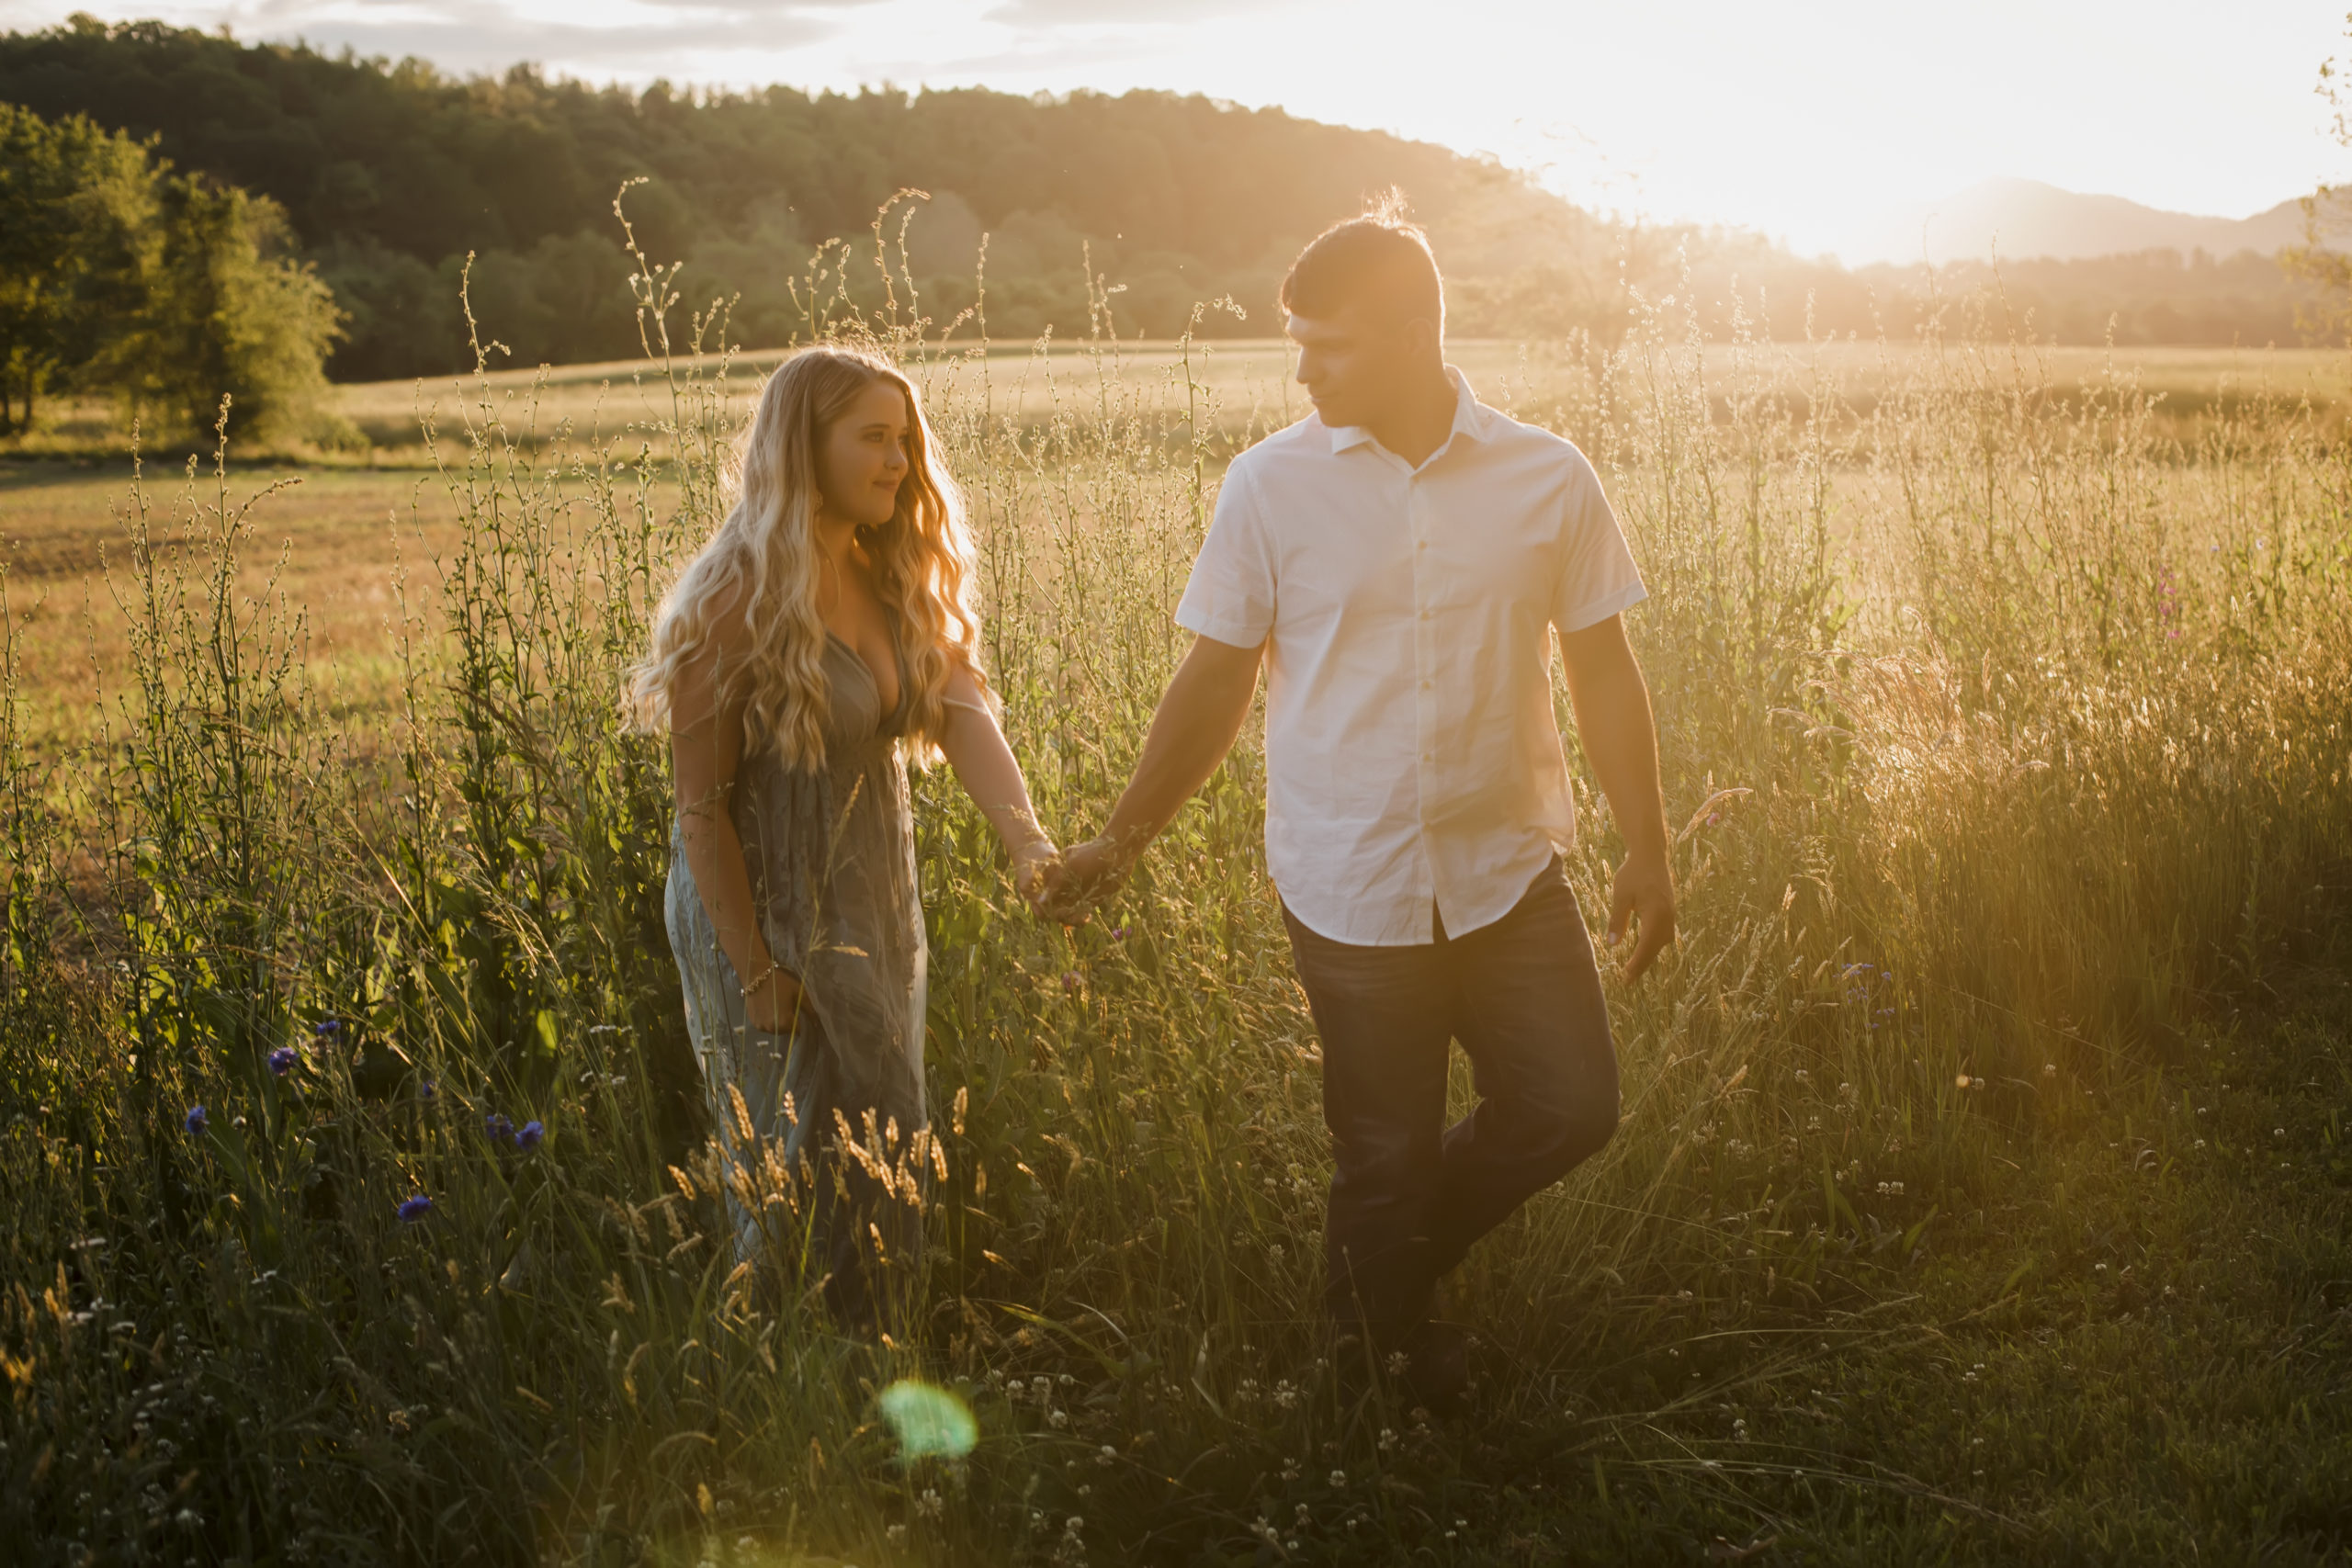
<point x="1644" y="894"/>
<point x="1081" y="881"/>
<point x="1034" y="865"/>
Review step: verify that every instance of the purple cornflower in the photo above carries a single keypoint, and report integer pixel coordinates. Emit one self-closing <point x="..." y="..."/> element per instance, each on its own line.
<point x="196" y="1121"/>
<point x="328" y="1028"/>
<point x="528" y="1135"/>
<point x="429" y="1092"/>
<point x="500" y="1129"/>
<point x="1118" y="933"/>
<point x="414" y="1208"/>
<point x="1073" y="982"/>
<point x="282" y="1060"/>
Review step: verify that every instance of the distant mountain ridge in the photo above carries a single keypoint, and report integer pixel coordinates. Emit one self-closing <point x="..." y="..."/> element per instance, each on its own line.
<point x="2024" y="219"/>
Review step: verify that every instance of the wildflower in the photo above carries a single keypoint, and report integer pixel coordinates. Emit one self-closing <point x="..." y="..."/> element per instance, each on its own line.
<point x="197" y="1122"/>
<point x="1339" y="1478"/>
<point x="527" y="1136"/>
<point x="1118" y="933"/>
<point x="1106" y="1456"/>
<point x="429" y="1091"/>
<point x="2049" y="1069"/>
<point x="930" y="1503"/>
<point x="1072" y="981"/>
<point x="1058" y="1419"/>
<point x="500" y="1129"/>
<point x="282" y="1060"/>
<point x="896" y="1534"/>
<point x="328" y="1028"/>
<point x="414" y="1208"/>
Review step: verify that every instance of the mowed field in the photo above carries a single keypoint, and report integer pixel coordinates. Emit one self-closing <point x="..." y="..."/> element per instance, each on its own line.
<point x="338" y="536"/>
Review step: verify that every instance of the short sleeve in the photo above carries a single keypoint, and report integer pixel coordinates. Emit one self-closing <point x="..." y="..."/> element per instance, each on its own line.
<point x="1597" y="577"/>
<point x="1231" y="595"/>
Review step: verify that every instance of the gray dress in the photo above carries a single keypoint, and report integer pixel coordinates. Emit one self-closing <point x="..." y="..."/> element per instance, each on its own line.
<point x="831" y="857"/>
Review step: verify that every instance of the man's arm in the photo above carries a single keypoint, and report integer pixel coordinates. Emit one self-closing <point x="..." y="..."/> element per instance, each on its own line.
<point x="1194" y="728"/>
<point x="1620" y="735"/>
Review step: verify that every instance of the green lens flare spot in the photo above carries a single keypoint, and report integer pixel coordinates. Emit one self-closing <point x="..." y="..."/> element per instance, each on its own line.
<point x="928" y="1420"/>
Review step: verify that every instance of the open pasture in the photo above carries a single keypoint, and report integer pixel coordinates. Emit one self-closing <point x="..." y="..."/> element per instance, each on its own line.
<point x="1982" y="1194"/>
<point x="1249" y="381"/>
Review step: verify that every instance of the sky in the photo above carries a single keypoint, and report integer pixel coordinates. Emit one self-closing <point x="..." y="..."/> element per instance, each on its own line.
<point x="1809" y="120"/>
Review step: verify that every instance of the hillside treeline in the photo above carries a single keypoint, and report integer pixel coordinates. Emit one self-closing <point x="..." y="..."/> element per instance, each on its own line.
<point x="388" y="174"/>
<point x="2139" y="300"/>
<point x="120" y="275"/>
<point x="382" y="177"/>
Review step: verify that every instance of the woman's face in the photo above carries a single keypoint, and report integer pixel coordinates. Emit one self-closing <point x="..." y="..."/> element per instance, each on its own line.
<point x="861" y="457"/>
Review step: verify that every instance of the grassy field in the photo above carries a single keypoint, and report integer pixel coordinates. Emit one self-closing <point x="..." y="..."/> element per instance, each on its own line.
<point x="1982" y="1197"/>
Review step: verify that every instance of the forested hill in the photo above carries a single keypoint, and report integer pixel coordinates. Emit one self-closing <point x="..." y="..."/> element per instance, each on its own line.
<point x="390" y="172"/>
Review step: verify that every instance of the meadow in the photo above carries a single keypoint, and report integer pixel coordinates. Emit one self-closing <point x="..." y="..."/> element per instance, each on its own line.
<point x="1981" y="1194"/>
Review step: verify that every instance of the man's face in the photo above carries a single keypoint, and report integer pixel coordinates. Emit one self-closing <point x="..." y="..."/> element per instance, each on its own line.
<point x="1354" y="364"/>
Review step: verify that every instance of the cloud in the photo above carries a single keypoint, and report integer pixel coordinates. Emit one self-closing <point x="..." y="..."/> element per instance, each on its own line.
<point x="1118" y="12"/>
<point x="597" y="39"/>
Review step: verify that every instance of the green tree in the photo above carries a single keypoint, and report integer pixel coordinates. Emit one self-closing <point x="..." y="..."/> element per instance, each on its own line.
<point x="77" y="235"/>
<point x="229" y="314"/>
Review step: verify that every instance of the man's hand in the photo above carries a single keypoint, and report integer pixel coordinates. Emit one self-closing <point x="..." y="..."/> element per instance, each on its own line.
<point x="1192" y="729"/>
<point x="1644" y="894"/>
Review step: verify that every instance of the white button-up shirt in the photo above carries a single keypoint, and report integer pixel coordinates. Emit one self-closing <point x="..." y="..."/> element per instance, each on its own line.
<point x="1412" y="759"/>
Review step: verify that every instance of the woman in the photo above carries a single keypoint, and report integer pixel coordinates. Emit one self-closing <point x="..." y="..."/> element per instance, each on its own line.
<point x="824" y="632"/>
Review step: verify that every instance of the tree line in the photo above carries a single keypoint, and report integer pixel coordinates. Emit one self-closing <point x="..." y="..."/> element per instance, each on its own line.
<point x="389" y="173"/>
<point x="360" y="188"/>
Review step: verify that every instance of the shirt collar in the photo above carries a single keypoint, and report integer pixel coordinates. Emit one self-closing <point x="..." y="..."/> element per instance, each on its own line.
<point x="1469" y="420"/>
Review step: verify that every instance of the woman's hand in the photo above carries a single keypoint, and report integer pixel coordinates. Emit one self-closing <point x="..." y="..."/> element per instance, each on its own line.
<point x="775" y="1005"/>
<point x="1032" y="868"/>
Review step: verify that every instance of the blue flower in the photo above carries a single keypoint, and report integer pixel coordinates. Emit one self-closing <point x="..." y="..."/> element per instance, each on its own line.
<point x="328" y="1028"/>
<point x="429" y="1092"/>
<point x="500" y="1129"/>
<point x="414" y="1208"/>
<point x="196" y="1121"/>
<point x="282" y="1060"/>
<point x="528" y="1135"/>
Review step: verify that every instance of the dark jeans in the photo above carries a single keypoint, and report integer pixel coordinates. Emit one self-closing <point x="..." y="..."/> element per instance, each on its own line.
<point x="1410" y="1194"/>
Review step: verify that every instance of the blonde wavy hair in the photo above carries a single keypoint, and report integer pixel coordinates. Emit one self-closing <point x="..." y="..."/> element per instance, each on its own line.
<point x="765" y="553"/>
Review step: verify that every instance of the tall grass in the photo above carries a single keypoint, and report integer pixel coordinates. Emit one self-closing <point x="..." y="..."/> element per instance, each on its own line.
<point x="2006" y="740"/>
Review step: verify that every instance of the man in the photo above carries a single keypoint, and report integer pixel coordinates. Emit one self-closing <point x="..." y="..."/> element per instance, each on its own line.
<point x="1399" y="560"/>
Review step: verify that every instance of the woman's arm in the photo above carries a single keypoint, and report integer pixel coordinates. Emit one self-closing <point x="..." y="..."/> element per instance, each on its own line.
<point x="706" y="747"/>
<point x="976" y="749"/>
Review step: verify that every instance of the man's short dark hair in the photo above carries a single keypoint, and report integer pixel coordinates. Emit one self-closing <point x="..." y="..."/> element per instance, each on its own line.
<point x="1381" y="258"/>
